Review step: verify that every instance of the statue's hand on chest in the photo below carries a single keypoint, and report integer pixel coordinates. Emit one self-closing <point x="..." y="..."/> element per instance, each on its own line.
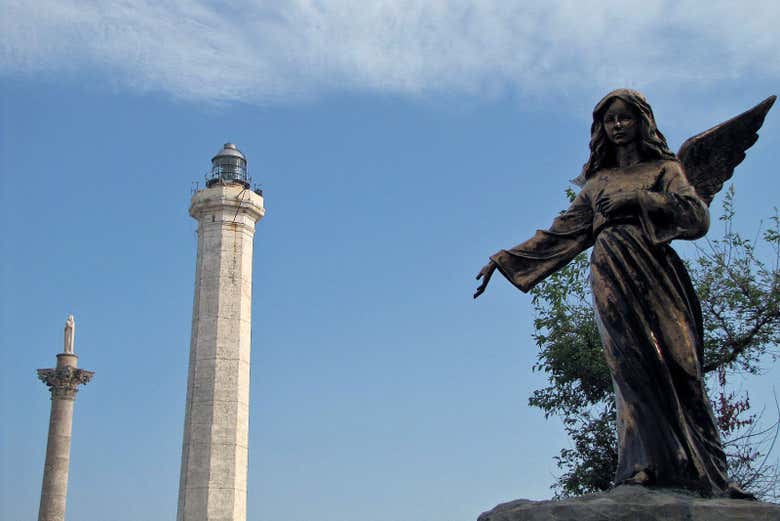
<point x="616" y="190"/>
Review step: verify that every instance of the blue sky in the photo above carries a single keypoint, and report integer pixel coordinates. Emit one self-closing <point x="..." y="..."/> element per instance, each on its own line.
<point x="399" y="144"/>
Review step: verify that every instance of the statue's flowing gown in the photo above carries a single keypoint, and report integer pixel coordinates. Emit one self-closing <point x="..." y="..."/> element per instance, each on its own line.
<point x="648" y="315"/>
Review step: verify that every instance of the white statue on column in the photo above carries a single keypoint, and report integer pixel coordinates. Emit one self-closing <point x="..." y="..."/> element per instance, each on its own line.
<point x="70" y="334"/>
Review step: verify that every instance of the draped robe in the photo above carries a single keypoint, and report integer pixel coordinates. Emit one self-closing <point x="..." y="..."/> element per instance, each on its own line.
<point x="648" y="315"/>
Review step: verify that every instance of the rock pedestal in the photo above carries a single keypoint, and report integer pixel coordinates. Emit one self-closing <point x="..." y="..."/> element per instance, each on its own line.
<point x="635" y="503"/>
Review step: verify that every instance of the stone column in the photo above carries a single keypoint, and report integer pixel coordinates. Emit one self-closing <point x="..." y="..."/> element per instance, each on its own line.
<point x="212" y="485"/>
<point x="63" y="382"/>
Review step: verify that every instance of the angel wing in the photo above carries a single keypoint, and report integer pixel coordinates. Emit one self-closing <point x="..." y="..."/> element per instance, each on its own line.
<point x="709" y="158"/>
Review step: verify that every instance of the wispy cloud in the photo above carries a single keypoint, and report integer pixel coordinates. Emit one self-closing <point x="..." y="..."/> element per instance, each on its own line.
<point x="258" y="52"/>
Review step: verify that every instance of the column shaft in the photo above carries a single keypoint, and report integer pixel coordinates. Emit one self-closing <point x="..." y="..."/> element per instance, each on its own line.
<point x="55" y="472"/>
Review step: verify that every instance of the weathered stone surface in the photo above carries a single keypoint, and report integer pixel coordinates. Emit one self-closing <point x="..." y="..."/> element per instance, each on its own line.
<point x="216" y="425"/>
<point x="633" y="503"/>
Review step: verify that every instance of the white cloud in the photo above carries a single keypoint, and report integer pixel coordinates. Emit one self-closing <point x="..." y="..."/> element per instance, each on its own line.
<point x="261" y="51"/>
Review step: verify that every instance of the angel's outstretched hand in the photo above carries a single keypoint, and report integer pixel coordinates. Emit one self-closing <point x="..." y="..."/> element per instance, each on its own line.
<point x="485" y="273"/>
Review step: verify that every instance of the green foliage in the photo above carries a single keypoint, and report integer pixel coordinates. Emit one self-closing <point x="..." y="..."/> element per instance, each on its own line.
<point x="569" y="342"/>
<point x="740" y="295"/>
<point x="593" y="436"/>
<point x="580" y="387"/>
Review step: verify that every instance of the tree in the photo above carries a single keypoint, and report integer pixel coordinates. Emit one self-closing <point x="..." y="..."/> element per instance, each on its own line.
<point x="740" y="297"/>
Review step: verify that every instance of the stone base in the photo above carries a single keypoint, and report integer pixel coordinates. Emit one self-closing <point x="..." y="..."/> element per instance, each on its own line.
<point x="635" y="503"/>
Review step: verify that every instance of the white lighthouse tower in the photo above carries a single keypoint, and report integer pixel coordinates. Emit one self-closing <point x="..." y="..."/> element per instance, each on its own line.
<point x="212" y="485"/>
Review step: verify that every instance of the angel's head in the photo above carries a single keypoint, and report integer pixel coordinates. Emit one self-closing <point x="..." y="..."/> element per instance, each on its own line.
<point x="651" y="143"/>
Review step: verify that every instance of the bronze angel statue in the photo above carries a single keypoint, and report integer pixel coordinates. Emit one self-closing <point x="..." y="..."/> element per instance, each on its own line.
<point x="636" y="197"/>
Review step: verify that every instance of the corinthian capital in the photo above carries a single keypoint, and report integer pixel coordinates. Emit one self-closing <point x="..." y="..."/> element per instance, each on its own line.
<point x="64" y="381"/>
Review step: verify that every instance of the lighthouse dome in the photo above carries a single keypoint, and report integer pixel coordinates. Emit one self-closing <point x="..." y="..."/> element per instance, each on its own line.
<point x="228" y="166"/>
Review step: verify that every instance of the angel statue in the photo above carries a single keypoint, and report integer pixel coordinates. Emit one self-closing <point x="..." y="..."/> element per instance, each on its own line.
<point x="637" y="197"/>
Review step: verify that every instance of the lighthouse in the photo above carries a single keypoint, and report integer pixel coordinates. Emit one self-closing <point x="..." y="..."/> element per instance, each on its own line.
<point x="212" y="485"/>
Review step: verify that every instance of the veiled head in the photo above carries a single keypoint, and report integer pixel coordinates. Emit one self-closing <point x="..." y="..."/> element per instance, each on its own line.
<point x="652" y="143"/>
